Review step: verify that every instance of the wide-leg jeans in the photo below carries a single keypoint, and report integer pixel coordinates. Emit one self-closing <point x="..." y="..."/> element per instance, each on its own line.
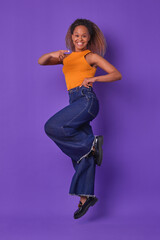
<point x="70" y="129"/>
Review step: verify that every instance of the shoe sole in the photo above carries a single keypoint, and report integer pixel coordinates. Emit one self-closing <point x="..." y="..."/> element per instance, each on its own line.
<point x="89" y="205"/>
<point x="100" y="143"/>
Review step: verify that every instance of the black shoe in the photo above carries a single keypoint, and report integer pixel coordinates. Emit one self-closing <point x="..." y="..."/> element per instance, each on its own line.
<point x="98" y="154"/>
<point x="82" y="209"/>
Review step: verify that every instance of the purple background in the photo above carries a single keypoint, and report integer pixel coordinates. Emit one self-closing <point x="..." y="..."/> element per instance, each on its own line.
<point x="34" y="174"/>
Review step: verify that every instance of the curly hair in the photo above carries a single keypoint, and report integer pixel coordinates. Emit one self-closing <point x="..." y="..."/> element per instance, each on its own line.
<point x="97" y="43"/>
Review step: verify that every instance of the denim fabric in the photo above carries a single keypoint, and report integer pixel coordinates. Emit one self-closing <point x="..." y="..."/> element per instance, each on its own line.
<point x="82" y="183"/>
<point x="70" y="129"/>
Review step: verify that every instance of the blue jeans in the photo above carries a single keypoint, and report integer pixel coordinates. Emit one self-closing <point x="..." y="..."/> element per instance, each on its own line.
<point x="70" y="129"/>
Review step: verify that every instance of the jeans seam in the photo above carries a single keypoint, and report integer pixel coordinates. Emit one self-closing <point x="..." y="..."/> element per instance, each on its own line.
<point x="73" y="118"/>
<point x="85" y="195"/>
<point x="85" y="155"/>
<point x="92" y="101"/>
<point x="90" y="108"/>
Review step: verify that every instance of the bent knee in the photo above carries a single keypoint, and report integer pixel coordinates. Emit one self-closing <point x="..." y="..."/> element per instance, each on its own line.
<point x="52" y="129"/>
<point x="47" y="128"/>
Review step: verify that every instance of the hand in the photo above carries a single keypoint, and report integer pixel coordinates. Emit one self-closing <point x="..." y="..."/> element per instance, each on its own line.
<point x="87" y="82"/>
<point x="59" y="54"/>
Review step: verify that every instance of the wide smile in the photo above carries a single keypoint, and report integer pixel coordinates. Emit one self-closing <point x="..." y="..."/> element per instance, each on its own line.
<point x="79" y="43"/>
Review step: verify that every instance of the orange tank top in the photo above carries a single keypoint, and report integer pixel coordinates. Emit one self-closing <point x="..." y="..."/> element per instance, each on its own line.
<point x="76" y="69"/>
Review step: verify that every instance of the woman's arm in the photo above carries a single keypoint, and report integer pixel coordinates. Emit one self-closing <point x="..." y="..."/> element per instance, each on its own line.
<point x="98" y="61"/>
<point x="52" y="58"/>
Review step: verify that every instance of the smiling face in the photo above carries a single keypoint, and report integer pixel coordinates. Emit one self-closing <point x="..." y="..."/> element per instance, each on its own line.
<point x="80" y="38"/>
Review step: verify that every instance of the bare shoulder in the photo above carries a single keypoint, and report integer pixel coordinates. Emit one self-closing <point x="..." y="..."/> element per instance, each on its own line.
<point x="96" y="60"/>
<point x="91" y="59"/>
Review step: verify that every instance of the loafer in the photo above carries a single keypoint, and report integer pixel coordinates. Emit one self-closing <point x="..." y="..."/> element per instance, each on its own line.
<point x="98" y="153"/>
<point x="83" y="208"/>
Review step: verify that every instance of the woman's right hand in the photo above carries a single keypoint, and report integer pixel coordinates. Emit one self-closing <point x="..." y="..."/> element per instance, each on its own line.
<point x="59" y="54"/>
<point x="52" y="58"/>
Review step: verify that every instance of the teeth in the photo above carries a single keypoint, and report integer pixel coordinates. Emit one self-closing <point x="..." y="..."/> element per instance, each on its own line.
<point x="79" y="43"/>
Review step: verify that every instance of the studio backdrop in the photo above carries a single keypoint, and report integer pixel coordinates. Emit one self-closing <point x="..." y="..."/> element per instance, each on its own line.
<point x="34" y="174"/>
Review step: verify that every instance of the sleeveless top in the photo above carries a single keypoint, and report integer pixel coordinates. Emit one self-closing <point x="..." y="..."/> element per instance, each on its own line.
<point x="76" y="69"/>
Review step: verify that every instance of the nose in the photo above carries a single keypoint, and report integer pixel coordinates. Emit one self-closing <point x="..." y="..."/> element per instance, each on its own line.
<point x="80" y="38"/>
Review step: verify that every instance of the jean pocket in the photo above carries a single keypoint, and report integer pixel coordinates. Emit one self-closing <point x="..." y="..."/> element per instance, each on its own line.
<point x="93" y="106"/>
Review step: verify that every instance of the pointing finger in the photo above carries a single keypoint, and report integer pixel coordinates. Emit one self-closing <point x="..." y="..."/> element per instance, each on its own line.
<point x="63" y="51"/>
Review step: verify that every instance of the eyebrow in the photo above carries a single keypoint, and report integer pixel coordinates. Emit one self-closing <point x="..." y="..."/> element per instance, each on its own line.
<point x="82" y="33"/>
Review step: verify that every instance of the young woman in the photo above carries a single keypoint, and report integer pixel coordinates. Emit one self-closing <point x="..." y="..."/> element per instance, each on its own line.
<point x="70" y="128"/>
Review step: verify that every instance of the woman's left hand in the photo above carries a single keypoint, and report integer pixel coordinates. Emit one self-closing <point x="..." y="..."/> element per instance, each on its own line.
<point x="87" y="82"/>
